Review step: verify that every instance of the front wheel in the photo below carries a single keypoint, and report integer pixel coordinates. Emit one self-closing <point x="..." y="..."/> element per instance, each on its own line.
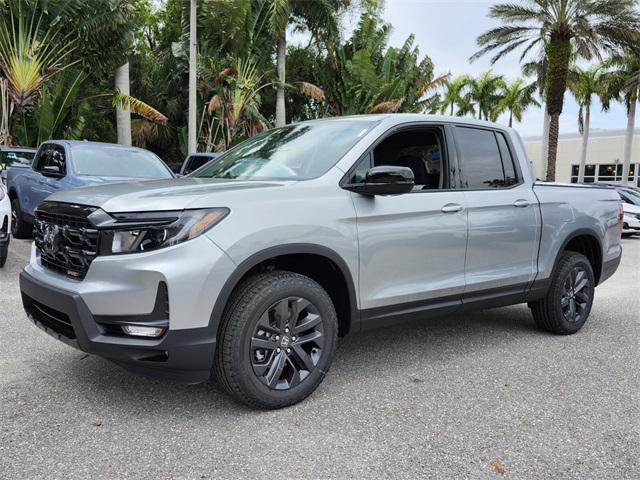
<point x="4" y="252"/>
<point x="277" y="341"/>
<point x="566" y="307"/>
<point x="20" y="228"/>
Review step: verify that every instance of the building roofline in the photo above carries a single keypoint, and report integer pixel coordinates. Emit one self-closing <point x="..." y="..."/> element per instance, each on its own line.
<point x="620" y="132"/>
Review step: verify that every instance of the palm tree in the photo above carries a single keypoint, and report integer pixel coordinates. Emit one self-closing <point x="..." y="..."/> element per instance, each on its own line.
<point x="485" y="91"/>
<point x="456" y="95"/>
<point x="538" y="70"/>
<point x="192" y="143"/>
<point x="584" y="84"/>
<point x="318" y="17"/>
<point x="123" y="115"/>
<point x="587" y="27"/>
<point x="517" y="97"/>
<point x="622" y="82"/>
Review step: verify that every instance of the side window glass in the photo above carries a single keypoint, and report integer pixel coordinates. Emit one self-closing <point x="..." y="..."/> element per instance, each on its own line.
<point x="510" y="177"/>
<point x="43" y="158"/>
<point x="361" y="169"/>
<point x="419" y="149"/>
<point x="481" y="164"/>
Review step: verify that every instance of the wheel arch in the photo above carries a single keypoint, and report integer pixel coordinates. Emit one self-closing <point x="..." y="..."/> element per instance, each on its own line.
<point x="586" y="242"/>
<point x="288" y="257"/>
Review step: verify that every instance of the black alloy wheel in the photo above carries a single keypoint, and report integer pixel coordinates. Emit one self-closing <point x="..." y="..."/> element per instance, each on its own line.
<point x="287" y="343"/>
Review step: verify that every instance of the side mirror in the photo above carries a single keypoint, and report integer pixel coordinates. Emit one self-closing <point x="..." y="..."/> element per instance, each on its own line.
<point x="51" y="171"/>
<point x="385" y="180"/>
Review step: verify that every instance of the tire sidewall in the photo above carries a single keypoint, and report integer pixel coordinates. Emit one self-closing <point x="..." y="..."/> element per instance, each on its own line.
<point x="576" y="260"/>
<point x="300" y="287"/>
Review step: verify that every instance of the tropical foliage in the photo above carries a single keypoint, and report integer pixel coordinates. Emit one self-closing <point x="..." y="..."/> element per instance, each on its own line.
<point x="58" y="60"/>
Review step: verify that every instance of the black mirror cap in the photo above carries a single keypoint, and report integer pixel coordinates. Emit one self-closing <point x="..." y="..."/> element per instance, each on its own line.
<point x="385" y="180"/>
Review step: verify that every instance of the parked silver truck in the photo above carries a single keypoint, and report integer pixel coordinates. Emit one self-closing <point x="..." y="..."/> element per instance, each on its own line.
<point x="249" y="269"/>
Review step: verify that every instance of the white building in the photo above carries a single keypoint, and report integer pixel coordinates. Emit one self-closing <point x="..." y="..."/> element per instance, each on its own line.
<point x="604" y="157"/>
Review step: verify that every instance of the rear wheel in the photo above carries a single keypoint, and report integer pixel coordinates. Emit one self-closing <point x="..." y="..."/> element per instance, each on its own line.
<point x="277" y="340"/>
<point x="20" y="228"/>
<point x="566" y="307"/>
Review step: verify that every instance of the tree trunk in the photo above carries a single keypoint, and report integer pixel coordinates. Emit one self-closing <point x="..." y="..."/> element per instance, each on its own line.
<point x="544" y="154"/>
<point x="192" y="145"/>
<point x="123" y="115"/>
<point x="628" y="139"/>
<point x="553" y="147"/>
<point x="558" y="55"/>
<point x="510" y="118"/>
<point x="281" y="116"/>
<point x="585" y="143"/>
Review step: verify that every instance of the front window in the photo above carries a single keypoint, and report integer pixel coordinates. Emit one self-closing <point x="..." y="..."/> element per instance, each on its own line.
<point x="294" y="152"/>
<point x="103" y="161"/>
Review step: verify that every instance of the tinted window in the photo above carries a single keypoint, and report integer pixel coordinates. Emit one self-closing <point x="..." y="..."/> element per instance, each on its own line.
<point x="508" y="167"/>
<point x="361" y="169"/>
<point x="481" y="164"/>
<point x="295" y="152"/>
<point x="104" y="161"/>
<point x="195" y="162"/>
<point x="10" y="158"/>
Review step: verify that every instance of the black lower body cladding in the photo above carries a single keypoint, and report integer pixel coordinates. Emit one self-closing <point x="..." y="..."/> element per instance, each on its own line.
<point x="182" y="355"/>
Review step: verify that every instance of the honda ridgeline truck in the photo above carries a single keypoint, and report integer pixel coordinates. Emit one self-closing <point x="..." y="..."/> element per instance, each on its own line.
<point x="249" y="269"/>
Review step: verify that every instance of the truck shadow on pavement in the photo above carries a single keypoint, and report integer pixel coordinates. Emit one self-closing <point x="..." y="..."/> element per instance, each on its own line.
<point x="358" y="359"/>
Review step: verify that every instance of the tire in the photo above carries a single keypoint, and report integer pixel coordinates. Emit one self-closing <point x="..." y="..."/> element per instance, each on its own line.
<point x="4" y="252"/>
<point x="567" y="304"/>
<point x="289" y="367"/>
<point x="20" y="228"/>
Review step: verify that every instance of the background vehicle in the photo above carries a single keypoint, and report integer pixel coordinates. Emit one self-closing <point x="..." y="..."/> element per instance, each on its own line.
<point x="17" y="157"/>
<point x="631" y="205"/>
<point x="252" y="266"/>
<point x="60" y="165"/>
<point x="197" y="160"/>
<point x="5" y="225"/>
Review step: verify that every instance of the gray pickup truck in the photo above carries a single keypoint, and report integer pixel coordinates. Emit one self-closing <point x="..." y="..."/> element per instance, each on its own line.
<point x="249" y="269"/>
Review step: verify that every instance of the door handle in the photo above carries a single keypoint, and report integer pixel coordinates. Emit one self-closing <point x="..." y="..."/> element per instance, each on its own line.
<point x="521" y="203"/>
<point x="452" y="208"/>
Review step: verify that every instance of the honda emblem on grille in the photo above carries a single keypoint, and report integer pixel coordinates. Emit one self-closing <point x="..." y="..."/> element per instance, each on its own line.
<point x="50" y="239"/>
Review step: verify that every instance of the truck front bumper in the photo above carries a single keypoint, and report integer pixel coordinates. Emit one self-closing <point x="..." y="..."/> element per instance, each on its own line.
<point x="183" y="355"/>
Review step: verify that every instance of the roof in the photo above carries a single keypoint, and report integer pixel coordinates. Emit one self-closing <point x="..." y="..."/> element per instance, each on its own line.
<point x="18" y="149"/>
<point x="84" y="143"/>
<point x="398" y="118"/>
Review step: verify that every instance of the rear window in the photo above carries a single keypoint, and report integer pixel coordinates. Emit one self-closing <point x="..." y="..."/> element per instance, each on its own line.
<point x="482" y="159"/>
<point x="118" y="162"/>
<point x="12" y="158"/>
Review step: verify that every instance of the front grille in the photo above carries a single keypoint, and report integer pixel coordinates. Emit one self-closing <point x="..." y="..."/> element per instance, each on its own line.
<point x="49" y="317"/>
<point x="65" y="239"/>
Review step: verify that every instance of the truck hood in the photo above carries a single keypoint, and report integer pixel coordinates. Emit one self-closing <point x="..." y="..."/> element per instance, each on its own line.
<point x="156" y="195"/>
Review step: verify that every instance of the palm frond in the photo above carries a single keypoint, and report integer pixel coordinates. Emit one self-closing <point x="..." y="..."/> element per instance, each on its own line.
<point x="121" y="100"/>
<point x="311" y="90"/>
<point x="389" y="106"/>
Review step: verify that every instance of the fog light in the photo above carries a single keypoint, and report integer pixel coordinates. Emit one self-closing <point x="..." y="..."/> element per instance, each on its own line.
<point x="138" y="331"/>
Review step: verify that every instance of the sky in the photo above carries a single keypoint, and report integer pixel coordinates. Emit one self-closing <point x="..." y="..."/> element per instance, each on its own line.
<point x="446" y="30"/>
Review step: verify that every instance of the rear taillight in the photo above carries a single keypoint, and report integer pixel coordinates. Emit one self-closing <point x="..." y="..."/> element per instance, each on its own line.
<point x="620" y="216"/>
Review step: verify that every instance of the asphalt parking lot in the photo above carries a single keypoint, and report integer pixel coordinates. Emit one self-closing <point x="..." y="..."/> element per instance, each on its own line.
<point x="485" y="395"/>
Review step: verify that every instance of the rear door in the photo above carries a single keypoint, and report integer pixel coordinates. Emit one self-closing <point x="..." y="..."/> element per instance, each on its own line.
<point x="412" y="246"/>
<point x="502" y="213"/>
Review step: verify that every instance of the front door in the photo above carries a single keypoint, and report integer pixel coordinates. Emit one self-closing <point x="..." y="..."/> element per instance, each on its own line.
<point x="412" y="246"/>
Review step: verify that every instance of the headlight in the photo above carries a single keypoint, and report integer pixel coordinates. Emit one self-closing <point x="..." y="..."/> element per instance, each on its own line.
<point x="142" y="232"/>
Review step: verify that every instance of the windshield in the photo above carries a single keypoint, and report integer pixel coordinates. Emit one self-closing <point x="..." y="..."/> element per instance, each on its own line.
<point x="118" y="162"/>
<point x="294" y="152"/>
<point x="10" y="158"/>
<point x="630" y="196"/>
